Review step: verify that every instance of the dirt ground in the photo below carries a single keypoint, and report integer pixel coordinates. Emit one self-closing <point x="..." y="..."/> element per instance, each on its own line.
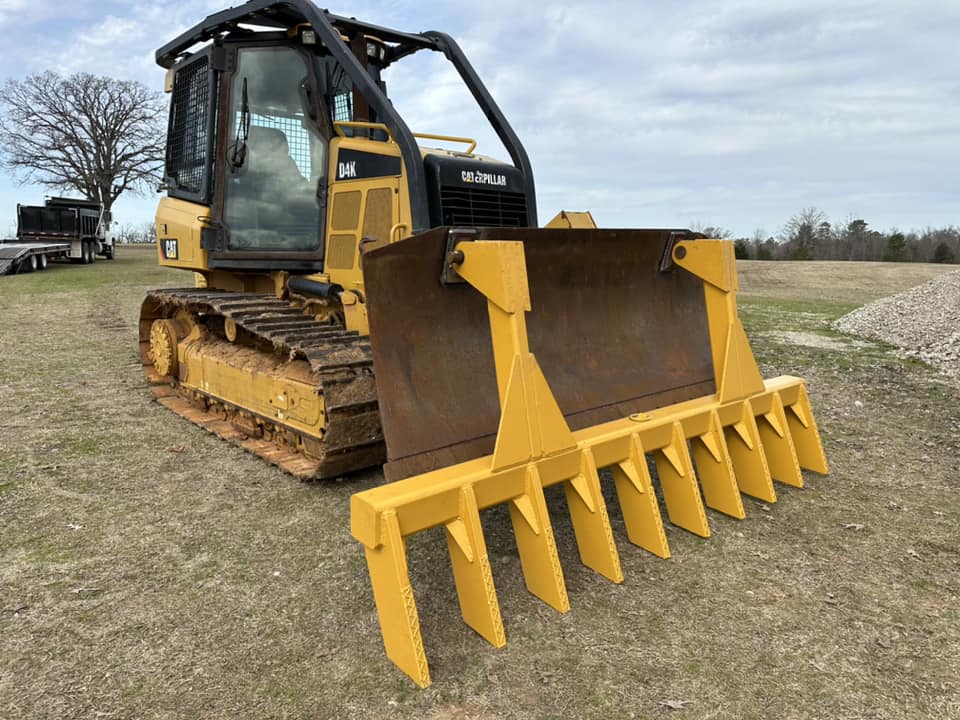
<point x="149" y="570"/>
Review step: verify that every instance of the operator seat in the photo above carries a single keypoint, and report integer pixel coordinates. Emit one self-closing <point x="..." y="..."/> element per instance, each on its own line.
<point x="270" y="204"/>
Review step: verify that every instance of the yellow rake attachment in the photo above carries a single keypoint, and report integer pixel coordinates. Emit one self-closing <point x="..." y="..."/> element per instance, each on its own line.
<point x="741" y="435"/>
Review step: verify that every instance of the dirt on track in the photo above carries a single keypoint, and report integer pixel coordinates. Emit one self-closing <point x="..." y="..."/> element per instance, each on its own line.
<point x="148" y="570"/>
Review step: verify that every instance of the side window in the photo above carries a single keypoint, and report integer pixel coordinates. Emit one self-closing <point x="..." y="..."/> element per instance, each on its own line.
<point x="342" y="109"/>
<point x="340" y="101"/>
<point x="188" y="128"/>
<point x="340" y="97"/>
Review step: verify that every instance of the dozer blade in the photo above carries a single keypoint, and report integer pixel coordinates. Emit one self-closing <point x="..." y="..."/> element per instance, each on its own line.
<point x="612" y="333"/>
<point x="508" y="361"/>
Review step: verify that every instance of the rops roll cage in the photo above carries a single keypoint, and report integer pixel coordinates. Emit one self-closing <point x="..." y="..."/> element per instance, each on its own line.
<point x="330" y="30"/>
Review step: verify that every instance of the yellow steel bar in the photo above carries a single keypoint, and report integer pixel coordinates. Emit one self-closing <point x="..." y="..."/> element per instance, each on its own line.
<point x="638" y="502"/>
<point x="679" y="485"/>
<point x="715" y="469"/>
<point x="516" y="443"/>
<point x="746" y="453"/>
<point x="536" y="544"/>
<point x="566" y="219"/>
<point x="432" y="498"/>
<point x="591" y="524"/>
<point x="531" y="423"/>
<point x="471" y="571"/>
<point x="803" y="429"/>
<point x="776" y="439"/>
<point x="399" y="622"/>
<point x="546" y="417"/>
<point x="508" y="330"/>
<point x="734" y="367"/>
<point x="470" y="142"/>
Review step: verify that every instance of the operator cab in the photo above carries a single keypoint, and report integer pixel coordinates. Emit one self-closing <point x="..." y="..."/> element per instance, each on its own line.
<point x="266" y="180"/>
<point x="287" y="137"/>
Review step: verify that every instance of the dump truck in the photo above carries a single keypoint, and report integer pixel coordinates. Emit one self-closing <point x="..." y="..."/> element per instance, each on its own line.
<point x="364" y="297"/>
<point x="79" y="223"/>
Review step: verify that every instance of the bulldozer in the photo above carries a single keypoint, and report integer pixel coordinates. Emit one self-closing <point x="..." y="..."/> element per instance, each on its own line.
<point x="362" y="298"/>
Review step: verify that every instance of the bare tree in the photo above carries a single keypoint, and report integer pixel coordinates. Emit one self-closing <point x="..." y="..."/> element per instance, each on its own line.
<point x="144" y="232"/>
<point x="803" y="232"/>
<point x="96" y="135"/>
<point x="711" y="231"/>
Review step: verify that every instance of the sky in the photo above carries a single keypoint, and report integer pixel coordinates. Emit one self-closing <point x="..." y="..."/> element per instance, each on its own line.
<point x="726" y="113"/>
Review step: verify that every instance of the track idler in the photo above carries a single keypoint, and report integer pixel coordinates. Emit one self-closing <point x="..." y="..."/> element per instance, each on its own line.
<point x="551" y="429"/>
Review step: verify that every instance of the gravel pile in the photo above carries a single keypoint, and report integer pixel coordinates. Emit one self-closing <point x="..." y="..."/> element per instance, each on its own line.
<point x="924" y="321"/>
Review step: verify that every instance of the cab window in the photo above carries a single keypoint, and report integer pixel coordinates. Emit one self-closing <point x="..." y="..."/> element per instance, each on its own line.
<point x="276" y="158"/>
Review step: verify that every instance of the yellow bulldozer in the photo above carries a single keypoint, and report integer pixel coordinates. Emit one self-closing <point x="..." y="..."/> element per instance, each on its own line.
<point x="361" y="298"/>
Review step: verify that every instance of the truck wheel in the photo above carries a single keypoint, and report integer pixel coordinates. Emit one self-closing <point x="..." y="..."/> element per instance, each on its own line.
<point x="110" y="252"/>
<point x="93" y="252"/>
<point x="31" y="264"/>
<point x="86" y="253"/>
<point x="42" y="261"/>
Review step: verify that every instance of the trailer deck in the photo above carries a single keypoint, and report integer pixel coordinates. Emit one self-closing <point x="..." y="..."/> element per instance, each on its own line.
<point x="26" y="257"/>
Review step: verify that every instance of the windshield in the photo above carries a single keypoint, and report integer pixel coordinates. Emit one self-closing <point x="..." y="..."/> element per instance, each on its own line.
<point x="278" y="157"/>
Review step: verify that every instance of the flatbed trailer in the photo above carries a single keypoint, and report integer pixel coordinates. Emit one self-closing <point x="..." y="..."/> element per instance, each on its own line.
<point x="27" y="257"/>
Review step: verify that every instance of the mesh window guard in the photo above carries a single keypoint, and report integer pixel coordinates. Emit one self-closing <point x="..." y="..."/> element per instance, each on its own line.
<point x="342" y="107"/>
<point x="298" y="140"/>
<point x="187" y="143"/>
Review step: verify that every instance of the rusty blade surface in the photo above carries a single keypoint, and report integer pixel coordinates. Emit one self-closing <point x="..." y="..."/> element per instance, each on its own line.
<point x="613" y="334"/>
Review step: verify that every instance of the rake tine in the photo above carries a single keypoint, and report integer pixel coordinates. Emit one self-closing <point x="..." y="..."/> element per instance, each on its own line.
<point x="535" y="542"/>
<point x="715" y="470"/>
<point x="679" y="485"/>
<point x="806" y="437"/>
<point x="778" y="443"/>
<point x="638" y="502"/>
<point x="471" y="571"/>
<point x="746" y="453"/>
<point x="591" y="524"/>
<point x="396" y="608"/>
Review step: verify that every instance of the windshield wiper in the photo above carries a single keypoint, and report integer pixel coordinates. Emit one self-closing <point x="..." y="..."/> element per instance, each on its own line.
<point x="238" y="152"/>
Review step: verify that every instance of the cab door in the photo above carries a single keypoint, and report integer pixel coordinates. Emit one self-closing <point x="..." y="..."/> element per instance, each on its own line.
<point x="273" y="161"/>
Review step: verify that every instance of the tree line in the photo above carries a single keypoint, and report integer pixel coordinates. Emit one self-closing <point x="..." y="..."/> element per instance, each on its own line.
<point x="101" y="137"/>
<point x="135" y="233"/>
<point x="809" y="235"/>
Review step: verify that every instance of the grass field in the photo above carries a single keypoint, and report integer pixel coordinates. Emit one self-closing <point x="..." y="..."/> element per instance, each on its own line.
<point x="149" y="570"/>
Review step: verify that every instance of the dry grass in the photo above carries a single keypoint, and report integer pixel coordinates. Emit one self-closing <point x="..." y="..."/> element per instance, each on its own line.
<point x="148" y="570"/>
<point x="833" y="280"/>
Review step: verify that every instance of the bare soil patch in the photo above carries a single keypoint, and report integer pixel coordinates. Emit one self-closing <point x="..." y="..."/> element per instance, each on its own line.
<point x="814" y="340"/>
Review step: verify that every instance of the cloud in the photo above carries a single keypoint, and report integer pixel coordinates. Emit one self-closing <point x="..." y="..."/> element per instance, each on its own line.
<point x="23" y="14"/>
<point x="731" y="112"/>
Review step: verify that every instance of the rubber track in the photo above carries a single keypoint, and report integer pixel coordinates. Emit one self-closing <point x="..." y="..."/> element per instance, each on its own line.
<point x="341" y="361"/>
